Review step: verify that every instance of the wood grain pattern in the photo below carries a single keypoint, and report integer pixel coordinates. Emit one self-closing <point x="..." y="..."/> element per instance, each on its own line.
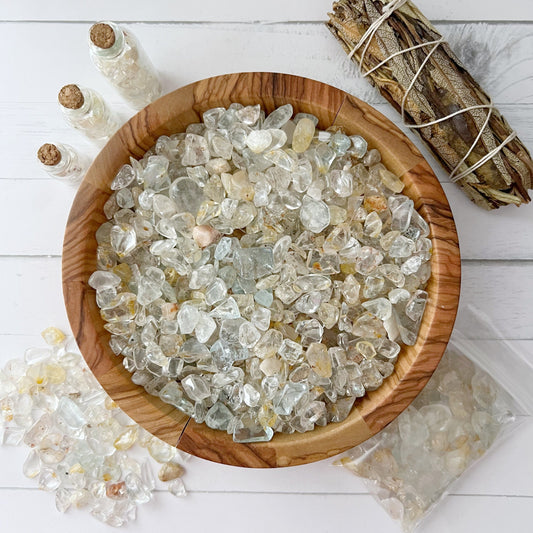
<point x="173" y="113"/>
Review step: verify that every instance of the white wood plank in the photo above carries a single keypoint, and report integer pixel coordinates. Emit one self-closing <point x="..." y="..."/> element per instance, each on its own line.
<point x="500" y="55"/>
<point x="237" y="512"/>
<point x="241" y="10"/>
<point x="13" y="345"/>
<point x="495" y="474"/>
<point x="460" y="514"/>
<point x="32" y="295"/>
<point x="40" y="209"/>
<point x="503" y="234"/>
<point x="503" y="291"/>
<point x="32" y="299"/>
<point x="34" y="123"/>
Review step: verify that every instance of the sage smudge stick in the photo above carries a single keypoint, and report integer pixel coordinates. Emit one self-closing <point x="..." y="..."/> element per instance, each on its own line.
<point x="437" y="87"/>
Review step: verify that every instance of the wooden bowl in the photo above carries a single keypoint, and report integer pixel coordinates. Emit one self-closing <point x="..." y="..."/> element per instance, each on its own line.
<point x="171" y="114"/>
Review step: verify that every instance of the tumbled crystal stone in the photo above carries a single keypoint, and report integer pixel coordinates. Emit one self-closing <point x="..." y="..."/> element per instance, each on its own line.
<point x="259" y="140"/>
<point x="303" y="135"/>
<point x="177" y="488"/>
<point x="314" y="215"/>
<point x="53" y="336"/>
<point x="196" y="150"/>
<point x="359" y="146"/>
<point x="290" y="351"/>
<point x="123" y="239"/>
<point x="278" y="117"/>
<point x="319" y="359"/>
<point x="188" y="317"/>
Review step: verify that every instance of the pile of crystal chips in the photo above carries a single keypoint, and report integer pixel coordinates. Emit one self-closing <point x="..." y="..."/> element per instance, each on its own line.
<point x="83" y="447"/>
<point x="260" y="274"/>
<point x="411" y="463"/>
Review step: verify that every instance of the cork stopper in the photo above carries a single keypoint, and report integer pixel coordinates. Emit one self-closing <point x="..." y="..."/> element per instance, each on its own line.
<point x="102" y="35"/>
<point x="70" y="96"/>
<point x="49" y="154"/>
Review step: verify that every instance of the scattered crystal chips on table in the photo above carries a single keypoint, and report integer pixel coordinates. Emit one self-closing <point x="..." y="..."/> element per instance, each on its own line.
<point x="82" y="446"/>
<point x="260" y="274"/>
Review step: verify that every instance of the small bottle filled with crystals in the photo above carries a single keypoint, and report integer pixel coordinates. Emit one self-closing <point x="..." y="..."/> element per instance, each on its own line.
<point x="61" y="161"/>
<point x="119" y="57"/>
<point x="85" y="110"/>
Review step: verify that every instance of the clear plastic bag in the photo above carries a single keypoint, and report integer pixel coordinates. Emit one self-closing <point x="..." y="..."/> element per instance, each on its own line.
<point x="471" y="404"/>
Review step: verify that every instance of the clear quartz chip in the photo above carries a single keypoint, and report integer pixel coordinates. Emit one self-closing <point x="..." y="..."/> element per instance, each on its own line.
<point x="218" y="416"/>
<point x="303" y="135"/>
<point x="314" y="215"/>
<point x="196" y="150"/>
<point x="259" y="140"/>
<point x="195" y="387"/>
<point x="123" y="239"/>
<point x="188" y="317"/>
<point x="278" y="117"/>
<point x="290" y="351"/>
<point x="251" y="431"/>
<point x="227" y="309"/>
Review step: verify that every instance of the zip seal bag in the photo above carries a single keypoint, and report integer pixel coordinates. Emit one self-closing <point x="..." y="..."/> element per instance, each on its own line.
<point x="479" y="394"/>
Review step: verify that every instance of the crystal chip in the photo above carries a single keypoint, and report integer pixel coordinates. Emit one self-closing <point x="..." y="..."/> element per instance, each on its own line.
<point x="196" y="150"/>
<point x="278" y="117"/>
<point x="314" y="215"/>
<point x="303" y="135"/>
<point x="188" y="317"/>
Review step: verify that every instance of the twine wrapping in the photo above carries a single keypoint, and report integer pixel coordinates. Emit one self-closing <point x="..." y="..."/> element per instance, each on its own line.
<point x="390" y="41"/>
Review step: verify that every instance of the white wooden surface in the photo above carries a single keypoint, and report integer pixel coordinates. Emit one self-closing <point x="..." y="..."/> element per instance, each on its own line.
<point x="45" y="45"/>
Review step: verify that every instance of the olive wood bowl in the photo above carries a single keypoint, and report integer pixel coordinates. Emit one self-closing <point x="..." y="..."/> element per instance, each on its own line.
<point x="333" y="107"/>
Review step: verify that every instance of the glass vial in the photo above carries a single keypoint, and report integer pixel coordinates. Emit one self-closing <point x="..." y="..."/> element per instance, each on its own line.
<point x="62" y="162"/>
<point x="85" y="110"/>
<point x="118" y="56"/>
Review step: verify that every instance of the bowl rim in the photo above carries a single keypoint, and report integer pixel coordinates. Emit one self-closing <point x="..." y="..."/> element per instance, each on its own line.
<point x="334" y="107"/>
